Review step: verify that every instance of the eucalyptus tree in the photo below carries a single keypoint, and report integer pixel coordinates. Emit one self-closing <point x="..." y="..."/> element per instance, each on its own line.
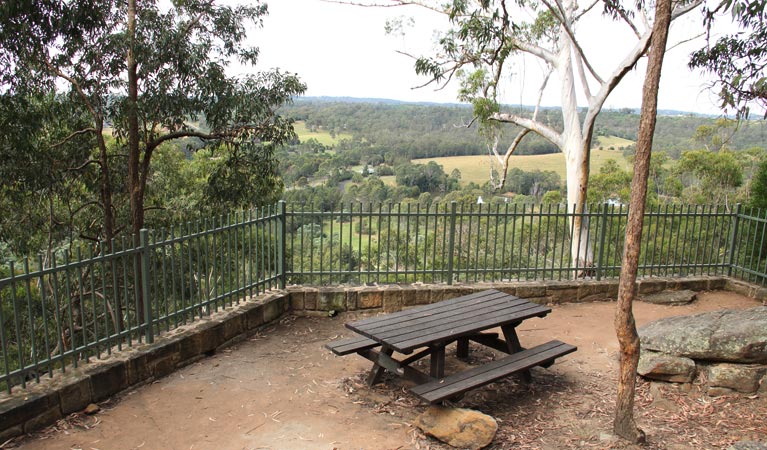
<point x="487" y="37"/>
<point x="151" y="73"/>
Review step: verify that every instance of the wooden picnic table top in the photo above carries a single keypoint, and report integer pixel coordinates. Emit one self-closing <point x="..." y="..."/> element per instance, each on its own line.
<point x="442" y="322"/>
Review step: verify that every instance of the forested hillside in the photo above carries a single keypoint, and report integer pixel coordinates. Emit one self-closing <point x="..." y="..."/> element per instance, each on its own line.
<point x="427" y="130"/>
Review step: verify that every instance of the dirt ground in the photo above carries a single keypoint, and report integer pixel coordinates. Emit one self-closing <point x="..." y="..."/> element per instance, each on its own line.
<point x="282" y="390"/>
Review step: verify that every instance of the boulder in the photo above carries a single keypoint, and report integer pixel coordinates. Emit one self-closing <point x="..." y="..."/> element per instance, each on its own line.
<point x="739" y="377"/>
<point x="672" y="298"/>
<point x="659" y="366"/>
<point x="718" y="336"/>
<point x="458" y="427"/>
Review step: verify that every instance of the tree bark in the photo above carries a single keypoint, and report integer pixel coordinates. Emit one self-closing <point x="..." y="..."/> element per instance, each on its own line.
<point x="134" y="152"/>
<point x="625" y="326"/>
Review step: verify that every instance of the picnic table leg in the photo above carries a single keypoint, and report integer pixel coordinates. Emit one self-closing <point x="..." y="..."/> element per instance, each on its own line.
<point x="512" y="342"/>
<point x="377" y="371"/>
<point x="463" y="348"/>
<point x="437" y="361"/>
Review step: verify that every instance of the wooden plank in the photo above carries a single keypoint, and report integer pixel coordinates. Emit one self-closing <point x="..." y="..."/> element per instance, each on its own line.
<point x="343" y="347"/>
<point x="425" y="309"/>
<point x="479" y="376"/>
<point x="405" y="343"/>
<point x="463" y="312"/>
<point x="499" y="311"/>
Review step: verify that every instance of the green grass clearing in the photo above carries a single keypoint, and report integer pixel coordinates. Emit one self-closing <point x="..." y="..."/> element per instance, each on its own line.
<point x="323" y="137"/>
<point x="606" y="142"/>
<point x="477" y="168"/>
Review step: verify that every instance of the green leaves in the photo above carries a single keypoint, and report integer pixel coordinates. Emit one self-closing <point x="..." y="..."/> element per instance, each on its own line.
<point x="738" y="60"/>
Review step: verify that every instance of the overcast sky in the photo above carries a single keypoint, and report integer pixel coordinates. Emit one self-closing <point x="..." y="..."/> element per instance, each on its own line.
<point x="341" y="50"/>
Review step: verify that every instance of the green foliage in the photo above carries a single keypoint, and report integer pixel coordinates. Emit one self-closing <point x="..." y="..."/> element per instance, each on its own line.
<point x="758" y="194"/>
<point x="739" y="59"/>
<point x="710" y="177"/>
<point x="73" y="59"/>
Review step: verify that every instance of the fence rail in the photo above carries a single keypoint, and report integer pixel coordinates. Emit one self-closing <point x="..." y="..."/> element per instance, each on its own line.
<point x="64" y="309"/>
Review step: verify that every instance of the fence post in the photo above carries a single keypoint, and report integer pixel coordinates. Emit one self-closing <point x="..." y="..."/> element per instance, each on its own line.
<point x="451" y="242"/>
<point x="281" y="247"/>
<point x="602" y="237"/>
<point x="733" y="236"/>
<point x="145" y="261"/>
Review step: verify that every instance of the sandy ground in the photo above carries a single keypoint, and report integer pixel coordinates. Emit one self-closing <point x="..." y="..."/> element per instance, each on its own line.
<point x="282" y="390"/>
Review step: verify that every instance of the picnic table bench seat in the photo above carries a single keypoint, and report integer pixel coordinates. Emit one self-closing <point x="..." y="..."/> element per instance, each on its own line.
<point x="355" y="344"/>
<point x="456" y="384"/>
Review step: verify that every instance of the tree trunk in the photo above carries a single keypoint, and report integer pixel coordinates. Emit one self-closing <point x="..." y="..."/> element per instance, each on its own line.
<point x="625" y="326"/>
<point x="106" y="186"/>
<point x="134" y="150"/>
<point x="576" y="163"/>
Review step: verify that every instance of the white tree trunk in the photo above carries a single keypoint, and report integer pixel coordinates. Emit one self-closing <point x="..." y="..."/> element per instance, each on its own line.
<point x="575" y="146"/>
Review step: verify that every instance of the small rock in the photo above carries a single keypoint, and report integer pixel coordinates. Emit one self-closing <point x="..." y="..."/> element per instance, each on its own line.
<point x="747" y="445"/>
<point x="607" y="437"/>
<point x="672" y="298"/>
<point x="719" y="391"/>
<point x="92" y="409"/>
<point x="663" y="367"/>
<point x="458" y="427"/>
<point x="740" y="377"/>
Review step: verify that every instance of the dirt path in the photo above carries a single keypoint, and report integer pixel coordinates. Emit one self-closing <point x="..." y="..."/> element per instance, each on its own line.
<point x="282" y="390"/>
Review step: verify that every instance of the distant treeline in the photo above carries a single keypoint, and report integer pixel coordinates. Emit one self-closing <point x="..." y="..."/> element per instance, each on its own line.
<point x="428" y="131"/>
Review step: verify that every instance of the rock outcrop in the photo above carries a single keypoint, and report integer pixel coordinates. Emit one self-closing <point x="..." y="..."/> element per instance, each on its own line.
<point x="727" y="348"/>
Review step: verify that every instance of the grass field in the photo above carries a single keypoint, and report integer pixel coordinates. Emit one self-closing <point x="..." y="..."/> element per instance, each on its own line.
<point x="323" y="137"/>
<point x="605" y="142"/>
<point x="477" y="168"/>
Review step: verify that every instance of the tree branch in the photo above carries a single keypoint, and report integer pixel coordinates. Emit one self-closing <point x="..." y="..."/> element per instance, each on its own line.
<point x="544" y="131"/>
<point x="535" y="50"/>
<point x="566" y="25"/>
<point x="72" y="135"/>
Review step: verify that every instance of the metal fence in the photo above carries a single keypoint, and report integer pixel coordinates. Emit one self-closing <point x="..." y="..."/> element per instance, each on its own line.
<point x="60" y="311"/>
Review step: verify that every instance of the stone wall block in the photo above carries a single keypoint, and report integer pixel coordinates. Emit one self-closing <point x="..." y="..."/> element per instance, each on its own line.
<point x="370" y="298"/>
<point x="297" y="300"/>
<point x="20" y="408"/>
<point x="531" y="290"/>
<point x="331" y="299"/>
<point x="696" y="283"/>
<point x="352" y="299"/>
<point x="392" y="299"/>
<point x="651" y="285"/>
<point x="44" y="419"/>
<point x="75" y="393"/>
<point x="254" y="317"/>
<point x="311" y="299"/>
<point x="108" y="379"/>
<point x="273" y="310"/>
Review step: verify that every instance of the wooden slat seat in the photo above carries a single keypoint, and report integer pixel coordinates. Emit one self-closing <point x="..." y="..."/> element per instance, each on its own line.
<point x="352" y="345"/>
<point x="459" y="383"/>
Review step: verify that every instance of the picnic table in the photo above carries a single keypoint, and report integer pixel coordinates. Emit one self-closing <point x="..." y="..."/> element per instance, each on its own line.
<point x="426" y="330"/>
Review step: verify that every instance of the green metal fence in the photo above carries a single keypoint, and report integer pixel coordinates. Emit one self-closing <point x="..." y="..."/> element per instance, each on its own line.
<point x="60" y="311"/>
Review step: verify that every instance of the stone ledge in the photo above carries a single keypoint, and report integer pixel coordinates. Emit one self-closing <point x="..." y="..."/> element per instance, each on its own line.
<point x="39" y="405"/>
<point x="394" y="297"/>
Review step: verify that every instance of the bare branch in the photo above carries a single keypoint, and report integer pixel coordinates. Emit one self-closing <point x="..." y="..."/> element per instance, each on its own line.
<point x="568" y="29"/>
<point x="73" y="135"/>
<point x="535" y="50"/>
<point x="544" y="131"/>
<point x="585" y="10"/>
<point x="668" y="49"/>
<point x="83" y="165"/>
